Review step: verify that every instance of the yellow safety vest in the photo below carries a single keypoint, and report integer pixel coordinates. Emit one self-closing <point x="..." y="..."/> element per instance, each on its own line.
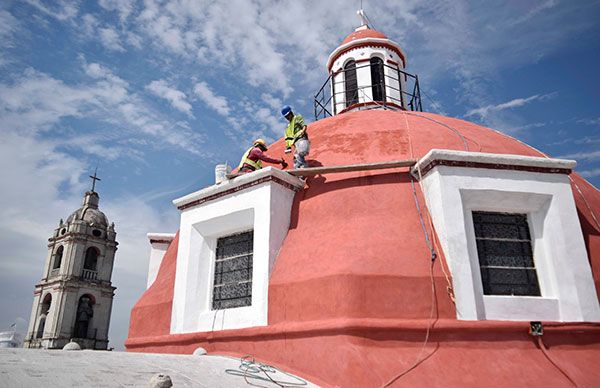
<point x="293" y="130"/>
<point x="257" y="165"/>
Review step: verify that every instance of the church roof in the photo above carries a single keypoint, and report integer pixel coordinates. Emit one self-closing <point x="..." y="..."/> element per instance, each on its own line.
<point x="355" y="263"/>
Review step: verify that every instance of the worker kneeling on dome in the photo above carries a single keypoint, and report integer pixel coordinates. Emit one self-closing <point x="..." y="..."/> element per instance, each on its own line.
<point x="254" y="156"/>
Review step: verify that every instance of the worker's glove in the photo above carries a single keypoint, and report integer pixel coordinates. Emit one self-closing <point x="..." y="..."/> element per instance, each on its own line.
<point x="283" y="163"/>
<point x="288" y="150"/>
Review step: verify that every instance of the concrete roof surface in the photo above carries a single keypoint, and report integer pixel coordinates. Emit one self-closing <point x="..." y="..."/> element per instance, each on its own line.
<point x="86" y="368"/>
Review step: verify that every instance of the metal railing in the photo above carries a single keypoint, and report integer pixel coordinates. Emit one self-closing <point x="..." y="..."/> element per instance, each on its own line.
<point x="54" y="272"/>
<point x="89" y="274"/>
<point x="333" y="93"/>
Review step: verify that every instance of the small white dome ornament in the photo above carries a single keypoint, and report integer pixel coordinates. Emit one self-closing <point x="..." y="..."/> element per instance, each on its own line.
<point x="72" y="346"/>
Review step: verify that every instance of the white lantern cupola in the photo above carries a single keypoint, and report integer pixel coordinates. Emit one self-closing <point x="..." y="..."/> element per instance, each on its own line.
<point x="367" y="72"/>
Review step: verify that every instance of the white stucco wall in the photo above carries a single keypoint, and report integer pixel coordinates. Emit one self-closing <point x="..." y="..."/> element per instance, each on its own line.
<point x="159" y="243"/>
<point x="261" y="206"/>
<point x="564" y="273"/>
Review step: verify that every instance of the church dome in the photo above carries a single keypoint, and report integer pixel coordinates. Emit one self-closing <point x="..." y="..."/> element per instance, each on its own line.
<point x="364" y="34"/>
<point x="91" y="216"/>
<point x="355" y="248"/>
<point x="89" y="212"/>
<point x="359" y="284"/>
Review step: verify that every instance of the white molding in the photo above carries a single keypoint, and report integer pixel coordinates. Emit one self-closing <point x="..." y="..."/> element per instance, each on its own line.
<point x="237" y="182"/>
<point x="365" y="42"/>
<point x="564" y="273"/>
<point x="160" y="236"/>
<point x="264" y="207"/>
<point x="488" y="158"/>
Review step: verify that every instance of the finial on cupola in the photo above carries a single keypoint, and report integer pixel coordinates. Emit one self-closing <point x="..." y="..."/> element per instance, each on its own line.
<point x="364" y="20"/>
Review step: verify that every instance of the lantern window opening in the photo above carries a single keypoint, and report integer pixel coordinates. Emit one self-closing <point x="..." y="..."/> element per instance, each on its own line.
<point x="397" y="88"/>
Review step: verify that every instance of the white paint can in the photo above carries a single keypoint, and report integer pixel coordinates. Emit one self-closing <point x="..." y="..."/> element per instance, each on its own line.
<point x="221" y="171"/>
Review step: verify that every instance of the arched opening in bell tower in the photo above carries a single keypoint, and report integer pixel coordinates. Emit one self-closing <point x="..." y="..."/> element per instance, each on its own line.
<point x="91" y="259"/>
<point x="58" y="257"/>
<point x="45" y="307"/>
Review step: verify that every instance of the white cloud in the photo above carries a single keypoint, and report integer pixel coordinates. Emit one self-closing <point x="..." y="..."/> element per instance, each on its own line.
<point x="63" y="10"/>
<point x="110" y="39"/>
<point x="590" y="156"/>
<point x="37" y="102"/>
<point x="176" y="98"/>
<point x="590" y="121"/>
<point x="124" y="8"/>
<point x="215" y="102"/>
<point x="271" y="101"/>
<point x="515" y="103"/>
<point x="8" y="25"/>
<point x="590" y="173"/>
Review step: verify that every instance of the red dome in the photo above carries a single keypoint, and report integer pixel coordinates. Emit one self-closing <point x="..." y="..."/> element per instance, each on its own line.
<point x="362" y="34"/>
<point x="349" y="296"/>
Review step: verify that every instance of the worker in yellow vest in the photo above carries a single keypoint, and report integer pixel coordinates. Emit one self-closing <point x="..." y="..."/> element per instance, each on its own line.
<point x="296" y="135"/>
<point x="253" y="158"/>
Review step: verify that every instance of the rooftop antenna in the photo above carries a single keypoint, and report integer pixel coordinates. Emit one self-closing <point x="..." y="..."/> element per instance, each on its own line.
<point x="94" y="179"/>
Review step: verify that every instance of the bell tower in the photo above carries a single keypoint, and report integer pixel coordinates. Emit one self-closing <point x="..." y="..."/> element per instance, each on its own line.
<point x="73" y="300"/>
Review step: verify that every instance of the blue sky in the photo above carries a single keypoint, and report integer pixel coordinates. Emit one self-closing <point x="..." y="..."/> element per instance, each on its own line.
<point x="157" y="93"/>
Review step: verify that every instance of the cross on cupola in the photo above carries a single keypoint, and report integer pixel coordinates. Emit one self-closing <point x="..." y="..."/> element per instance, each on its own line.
<point x="94" y="179"/>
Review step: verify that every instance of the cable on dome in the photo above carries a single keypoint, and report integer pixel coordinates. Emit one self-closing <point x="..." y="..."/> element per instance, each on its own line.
<point x="449" y="286"/>
<point x="464" y="140"/>
<point x="434" y="306"/>
<point x="544" y="350"/>
<point x="251" y="369"/>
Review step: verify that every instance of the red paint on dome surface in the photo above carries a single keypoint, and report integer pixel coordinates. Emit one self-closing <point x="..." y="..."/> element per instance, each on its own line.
<point x="349" y="296"/>
<point x="363" y="34"/>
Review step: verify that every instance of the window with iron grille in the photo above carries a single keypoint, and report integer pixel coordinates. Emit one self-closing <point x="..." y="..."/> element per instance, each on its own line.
<point x="505" y="254"/>
<point x="233" y="271"/>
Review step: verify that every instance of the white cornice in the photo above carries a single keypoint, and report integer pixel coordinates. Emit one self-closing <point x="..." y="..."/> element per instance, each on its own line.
<point x="363" y="42"/>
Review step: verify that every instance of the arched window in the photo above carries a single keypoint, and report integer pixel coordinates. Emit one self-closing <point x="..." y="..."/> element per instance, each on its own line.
<point x="85" y="312"/>
<point x="43" y="314"/>
<point x="350" y="83"/>
<point x="377" y="79"/>
<point x="58" y="257"/>
<point x="91" y="259"/>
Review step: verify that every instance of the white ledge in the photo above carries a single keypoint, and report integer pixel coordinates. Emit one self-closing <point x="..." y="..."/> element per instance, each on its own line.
<point x="166" y="237"/>
<point x="270" y="173"/>
<point x="481" y="158"/>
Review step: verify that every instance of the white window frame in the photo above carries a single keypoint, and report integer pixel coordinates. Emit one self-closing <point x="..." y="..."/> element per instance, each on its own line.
<point x="261" y="201"/>
<point x="452" y="192"/>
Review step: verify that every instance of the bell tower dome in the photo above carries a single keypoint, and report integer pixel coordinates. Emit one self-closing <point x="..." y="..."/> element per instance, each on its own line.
<point x="73" y="300"/>
<point x="367" y="71"/>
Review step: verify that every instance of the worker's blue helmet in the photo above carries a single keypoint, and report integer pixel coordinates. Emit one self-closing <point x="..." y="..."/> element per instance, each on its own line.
<point x="285" y="110"/>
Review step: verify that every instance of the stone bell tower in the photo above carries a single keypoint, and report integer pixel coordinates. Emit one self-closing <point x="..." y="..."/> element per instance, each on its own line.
<point x="73" y="301"/>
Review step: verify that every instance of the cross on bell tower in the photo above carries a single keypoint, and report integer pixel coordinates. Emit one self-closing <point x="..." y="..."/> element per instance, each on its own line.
<point x="94" y="179"/>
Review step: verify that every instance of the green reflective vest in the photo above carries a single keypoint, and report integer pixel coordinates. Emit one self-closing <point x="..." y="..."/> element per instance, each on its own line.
<point x="257" y="165"/>
<point x="294" y="130"/>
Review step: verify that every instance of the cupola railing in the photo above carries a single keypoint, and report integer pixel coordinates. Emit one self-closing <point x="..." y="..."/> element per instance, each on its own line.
<point x="333" y="93"/>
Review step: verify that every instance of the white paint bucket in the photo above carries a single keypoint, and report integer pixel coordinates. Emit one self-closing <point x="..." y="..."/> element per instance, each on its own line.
<point x="221" y="171"/>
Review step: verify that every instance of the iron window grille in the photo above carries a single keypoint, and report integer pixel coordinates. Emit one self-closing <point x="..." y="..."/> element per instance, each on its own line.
<point x="233" y="271"/>
<point x="505" y="254"/>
